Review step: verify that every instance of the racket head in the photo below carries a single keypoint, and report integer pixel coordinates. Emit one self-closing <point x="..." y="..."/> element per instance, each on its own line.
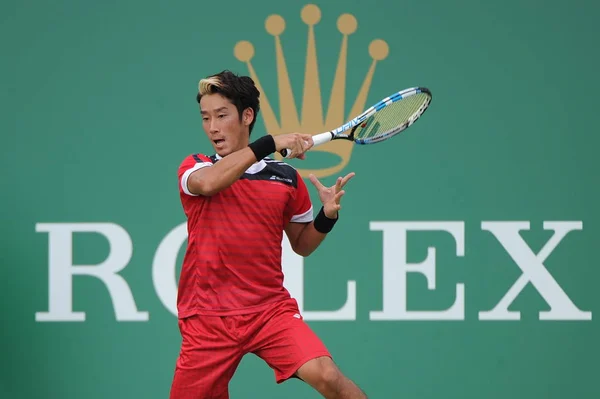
<point x="391" y="115"/>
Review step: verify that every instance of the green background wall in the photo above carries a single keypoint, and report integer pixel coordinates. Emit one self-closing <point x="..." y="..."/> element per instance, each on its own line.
<point x="97" y="111"/>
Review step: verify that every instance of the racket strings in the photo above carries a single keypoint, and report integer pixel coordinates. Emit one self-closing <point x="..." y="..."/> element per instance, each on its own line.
<point x="390" y="118"/>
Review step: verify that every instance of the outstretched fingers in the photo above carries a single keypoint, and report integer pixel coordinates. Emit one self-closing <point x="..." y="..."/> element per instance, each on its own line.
<point x="313" y="179"/>
<point x="342" y="181"/>
<point x="338" y="198"/>
<point x="347" y="178"/>
<point x="338" y="185"/>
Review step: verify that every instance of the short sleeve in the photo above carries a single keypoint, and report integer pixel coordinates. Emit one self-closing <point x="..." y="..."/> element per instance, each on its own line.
<point x="299" y="208"/>
<point x="189" y="165"/>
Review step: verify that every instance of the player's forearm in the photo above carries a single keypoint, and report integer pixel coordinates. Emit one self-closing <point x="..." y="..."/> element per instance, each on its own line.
<point x="314" y="233"/>
<point x="209" y="181"/>
<point x="308" y="240"/>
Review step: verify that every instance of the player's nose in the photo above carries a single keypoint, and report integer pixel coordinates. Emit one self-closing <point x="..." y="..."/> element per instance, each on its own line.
<point x="213" y="127"/>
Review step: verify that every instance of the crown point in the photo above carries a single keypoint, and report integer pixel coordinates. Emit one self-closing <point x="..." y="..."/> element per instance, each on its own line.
<point x="243" y="51"/>
<point x="378" y="49"/>
<point x="347" y="24"/>
<point x="311" y="14"/>
<point x="275" y="25"/>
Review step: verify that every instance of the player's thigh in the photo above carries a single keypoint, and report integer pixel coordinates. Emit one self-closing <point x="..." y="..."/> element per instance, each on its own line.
<point x="207" y="360"/>
<point x="286" y="342"/>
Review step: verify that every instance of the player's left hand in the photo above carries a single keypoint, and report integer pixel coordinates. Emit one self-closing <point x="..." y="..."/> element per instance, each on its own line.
<point x="331" y="196"/>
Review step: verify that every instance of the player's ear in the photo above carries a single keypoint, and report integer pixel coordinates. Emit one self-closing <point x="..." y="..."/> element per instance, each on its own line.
<point x="248" y="116"/>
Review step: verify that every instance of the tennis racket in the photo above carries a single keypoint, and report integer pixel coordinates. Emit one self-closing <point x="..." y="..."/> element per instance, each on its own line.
<point x="380" y="122"/>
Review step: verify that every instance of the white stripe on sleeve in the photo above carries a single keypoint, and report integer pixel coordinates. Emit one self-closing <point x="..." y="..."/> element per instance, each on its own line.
<point x="305" y="217"/>
<point x="186" y="176"/>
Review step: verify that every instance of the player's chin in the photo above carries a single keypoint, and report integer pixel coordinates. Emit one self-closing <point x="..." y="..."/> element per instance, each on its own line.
<point x="221" y="150"/>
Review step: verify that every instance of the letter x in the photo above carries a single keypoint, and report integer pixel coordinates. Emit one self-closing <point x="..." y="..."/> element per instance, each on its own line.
<point x="534" y="271"/>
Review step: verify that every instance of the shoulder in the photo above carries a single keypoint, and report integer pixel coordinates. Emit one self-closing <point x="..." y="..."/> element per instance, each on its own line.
<point x="197" y="160"/>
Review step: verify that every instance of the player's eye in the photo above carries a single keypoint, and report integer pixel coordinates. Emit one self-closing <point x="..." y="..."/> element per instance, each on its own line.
<point x="222" y="116"/>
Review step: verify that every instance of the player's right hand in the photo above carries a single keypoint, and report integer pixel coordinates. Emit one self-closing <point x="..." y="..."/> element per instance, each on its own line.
<point x="297" y="143"/>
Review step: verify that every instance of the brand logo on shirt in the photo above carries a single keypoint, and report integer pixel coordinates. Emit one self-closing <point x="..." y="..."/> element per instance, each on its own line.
<point x="280" y="179"/>
<point x="313" y="121"/>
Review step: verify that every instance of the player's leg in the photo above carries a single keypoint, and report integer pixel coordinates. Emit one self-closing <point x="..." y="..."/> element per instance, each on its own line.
<point x="322" y="374"/>
<point x="292" y="349"/>
<point x="207" y="360"/>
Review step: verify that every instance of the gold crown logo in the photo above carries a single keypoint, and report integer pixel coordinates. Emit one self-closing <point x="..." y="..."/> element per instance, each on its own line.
<point x="312" y="121"/>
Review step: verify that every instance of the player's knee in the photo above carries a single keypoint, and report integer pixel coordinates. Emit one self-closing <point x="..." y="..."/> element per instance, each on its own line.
<point x="329" y="376"/>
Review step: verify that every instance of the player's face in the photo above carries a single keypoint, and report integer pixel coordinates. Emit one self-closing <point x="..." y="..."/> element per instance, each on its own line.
<point x="222" y="125"/>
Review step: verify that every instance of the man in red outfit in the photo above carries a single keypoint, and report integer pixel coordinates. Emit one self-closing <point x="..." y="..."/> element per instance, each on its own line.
<point x="231" y="299"/>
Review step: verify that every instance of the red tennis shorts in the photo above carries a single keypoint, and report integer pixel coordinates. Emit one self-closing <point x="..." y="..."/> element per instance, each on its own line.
<point x="213" y="346"/>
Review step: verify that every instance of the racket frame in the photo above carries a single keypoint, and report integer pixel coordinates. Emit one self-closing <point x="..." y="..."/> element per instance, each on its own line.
<point x="352" y="125"/>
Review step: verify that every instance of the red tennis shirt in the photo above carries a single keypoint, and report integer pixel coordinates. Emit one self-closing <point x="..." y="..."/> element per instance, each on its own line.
<point x="232" y="263"/>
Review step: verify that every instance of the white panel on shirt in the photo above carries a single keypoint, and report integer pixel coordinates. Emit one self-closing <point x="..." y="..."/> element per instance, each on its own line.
<point x="305" y="217"/>
<point x="186" y="176"/>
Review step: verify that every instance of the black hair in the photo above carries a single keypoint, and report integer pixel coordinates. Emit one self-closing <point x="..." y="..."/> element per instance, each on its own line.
<point x="240" y="90"/>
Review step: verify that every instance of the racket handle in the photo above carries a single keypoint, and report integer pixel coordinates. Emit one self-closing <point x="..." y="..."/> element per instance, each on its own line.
<point x="317" y="140"/>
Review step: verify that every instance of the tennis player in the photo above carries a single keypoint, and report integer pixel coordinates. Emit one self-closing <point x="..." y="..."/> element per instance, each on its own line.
<point x="231" y="299"/>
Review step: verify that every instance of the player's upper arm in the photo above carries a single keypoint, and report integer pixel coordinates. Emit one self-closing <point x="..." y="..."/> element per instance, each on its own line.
<point x="303" y="237"/>
<point x="299" y="209"/>
<point x="188" y="170"/>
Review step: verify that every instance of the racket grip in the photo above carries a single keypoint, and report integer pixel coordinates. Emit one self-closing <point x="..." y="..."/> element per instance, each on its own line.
<point x="317" y="140"/>
<point x="322" y="138"/>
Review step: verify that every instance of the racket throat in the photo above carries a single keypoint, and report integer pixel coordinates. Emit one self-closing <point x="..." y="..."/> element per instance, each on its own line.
<point x="351" y="135"/>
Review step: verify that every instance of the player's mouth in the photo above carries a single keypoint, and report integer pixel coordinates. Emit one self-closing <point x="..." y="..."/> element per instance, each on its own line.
<point x="219" y="142"/>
